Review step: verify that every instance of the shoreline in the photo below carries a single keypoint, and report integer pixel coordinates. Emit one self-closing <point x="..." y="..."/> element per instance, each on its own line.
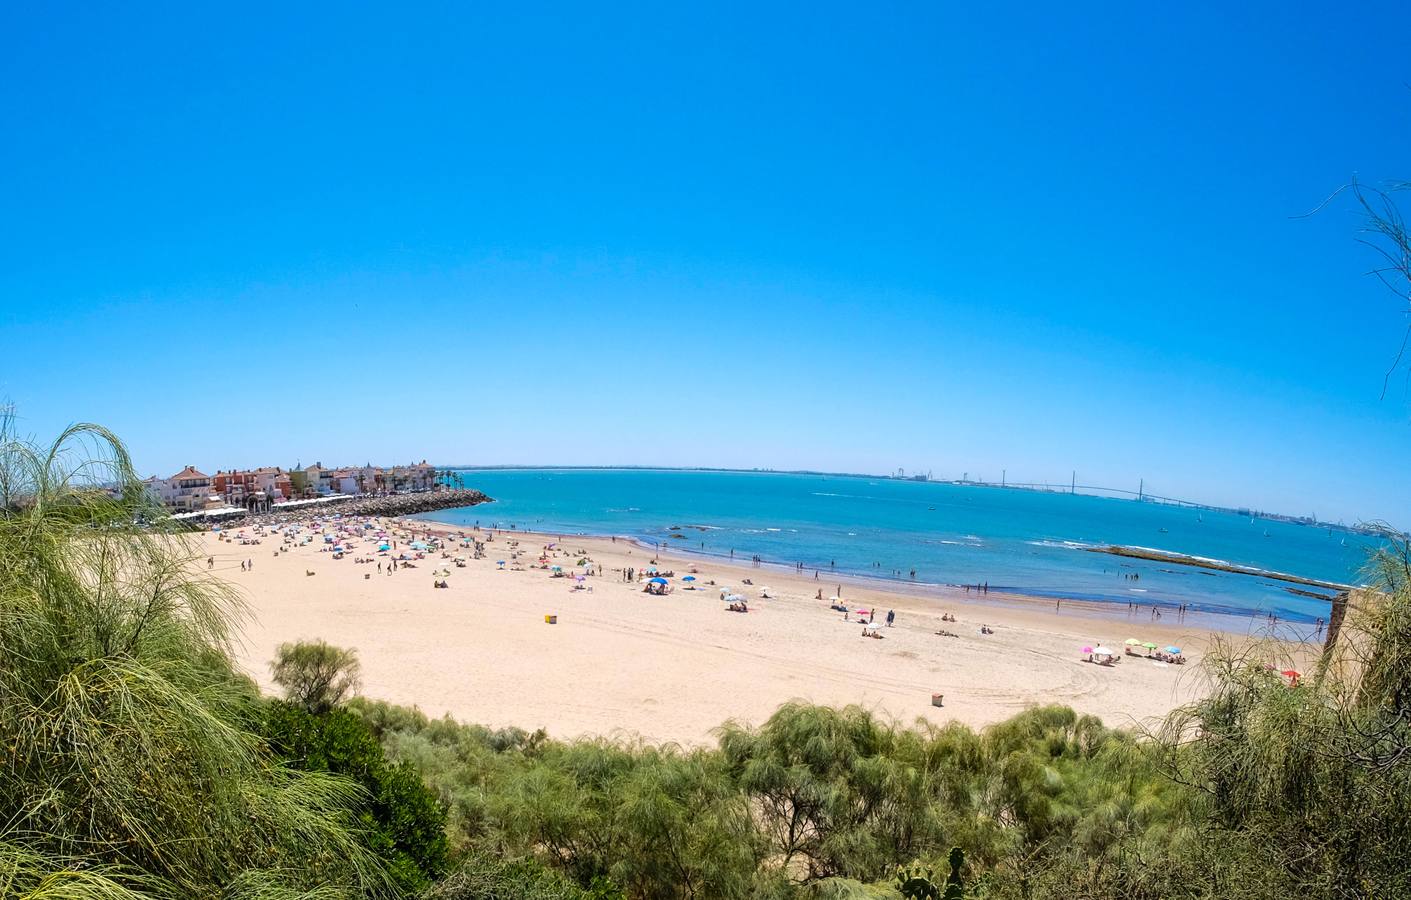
<point x="622" y="661"/>
<point x="1222" y="620"/>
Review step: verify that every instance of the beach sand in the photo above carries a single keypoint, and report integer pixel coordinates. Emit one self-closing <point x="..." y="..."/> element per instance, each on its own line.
<point x="623" y="662"/>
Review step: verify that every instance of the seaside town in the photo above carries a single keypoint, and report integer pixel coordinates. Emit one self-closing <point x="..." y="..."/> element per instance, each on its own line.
<point x="192" y="492"/>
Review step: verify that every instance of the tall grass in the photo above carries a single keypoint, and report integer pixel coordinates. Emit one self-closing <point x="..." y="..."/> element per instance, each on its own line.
<point x="131" y="767"/>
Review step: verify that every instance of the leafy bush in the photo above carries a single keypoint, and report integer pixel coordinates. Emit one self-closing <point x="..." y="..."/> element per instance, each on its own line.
<point x="486" y="878"/>
<point x="316" y="675"/>
<point x="404" y="822"/>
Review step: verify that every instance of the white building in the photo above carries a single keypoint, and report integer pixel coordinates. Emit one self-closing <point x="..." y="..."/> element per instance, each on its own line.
<point x="188" y="490"/>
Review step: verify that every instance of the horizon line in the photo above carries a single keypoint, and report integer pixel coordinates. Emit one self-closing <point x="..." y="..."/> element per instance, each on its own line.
<point x="1362" y="526"/>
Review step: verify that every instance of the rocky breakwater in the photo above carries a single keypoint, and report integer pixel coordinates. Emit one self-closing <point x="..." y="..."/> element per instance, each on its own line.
<point x="383" y="505"/>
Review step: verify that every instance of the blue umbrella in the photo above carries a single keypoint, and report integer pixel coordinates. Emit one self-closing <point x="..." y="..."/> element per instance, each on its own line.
<point x="1176" y="650"/>
<point x="658" y="581"/>
<point x="689" y="578"/>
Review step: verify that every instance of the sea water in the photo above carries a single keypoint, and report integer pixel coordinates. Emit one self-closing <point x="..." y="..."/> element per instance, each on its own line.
<point x="1023" y="541"/>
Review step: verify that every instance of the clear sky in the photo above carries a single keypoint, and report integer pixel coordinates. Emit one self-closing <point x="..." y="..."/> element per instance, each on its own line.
<point x="956" y="237"/>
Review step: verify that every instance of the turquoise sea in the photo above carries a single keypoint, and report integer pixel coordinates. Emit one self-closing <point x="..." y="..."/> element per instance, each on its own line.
<point x="1016" y="540"/>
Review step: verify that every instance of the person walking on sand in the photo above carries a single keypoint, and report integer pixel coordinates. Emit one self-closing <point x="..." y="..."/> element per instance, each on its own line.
<point x="891" y="617"/>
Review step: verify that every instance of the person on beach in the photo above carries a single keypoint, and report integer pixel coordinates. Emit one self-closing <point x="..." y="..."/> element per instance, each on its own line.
<point x="891" y="617"/>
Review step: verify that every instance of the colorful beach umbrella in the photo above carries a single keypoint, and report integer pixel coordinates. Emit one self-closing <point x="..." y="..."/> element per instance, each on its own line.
<point x="1087" y="650"/>
<point x="659" y="581"/>
<point x="1176" y="650"/>
<point x="1102" y="651"/>
<point x="689" y="578"/>
<point x="1132" y="642"/>
<point x="1149" y="645"/>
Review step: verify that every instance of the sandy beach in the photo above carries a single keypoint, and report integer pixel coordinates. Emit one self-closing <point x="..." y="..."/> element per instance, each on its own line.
<point x="621" y="661"/>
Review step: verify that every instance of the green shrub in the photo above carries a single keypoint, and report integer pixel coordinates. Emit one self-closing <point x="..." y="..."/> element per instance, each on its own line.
<point x="404" y="822"/>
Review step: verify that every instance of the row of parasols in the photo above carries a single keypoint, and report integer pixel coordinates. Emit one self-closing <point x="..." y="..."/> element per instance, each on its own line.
<point x="1130" y="642"/>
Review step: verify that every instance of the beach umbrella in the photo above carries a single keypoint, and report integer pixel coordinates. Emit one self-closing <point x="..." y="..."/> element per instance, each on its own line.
<point x="1149" y="645"/>
<point x="862" y="612"/>
<point x="578" y="578"/>
<point x="1102" y="651"/>
<point x="1132" y="642"/>
<point x="658" y="581"/>
<point x="733" y="598"/>
<point x="1289" y="673"/>
<point x="1176" y="650"/>
<point x="418" y="545"/>
<point x="689" y="578"/>
<point x="555" y="568"/>
<point x="499" y="562"/>
<point x="835" y="598"/>
<point x="1087" y="650"/>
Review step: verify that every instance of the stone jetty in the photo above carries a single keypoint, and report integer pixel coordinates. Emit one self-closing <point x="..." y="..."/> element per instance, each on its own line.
<point x="384" y="505"/>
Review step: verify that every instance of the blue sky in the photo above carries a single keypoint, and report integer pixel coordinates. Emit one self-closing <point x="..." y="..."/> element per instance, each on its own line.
<point x="831" y="236"/>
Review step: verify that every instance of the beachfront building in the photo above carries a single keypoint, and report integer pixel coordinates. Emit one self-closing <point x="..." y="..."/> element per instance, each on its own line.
<point x="233" y="486"/>
<point x="188" y="490"/>
<point x="254" y="489"/>
<point x="416" y="477"/>
<point x="347" y="481"/>
<point x="159" y="490"/>
<point x="271" y="481"/>
<point x="310" y="481"/>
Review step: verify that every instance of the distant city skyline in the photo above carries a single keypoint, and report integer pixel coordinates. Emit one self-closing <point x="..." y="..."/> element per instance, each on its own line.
<point x="955" y="239"/>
